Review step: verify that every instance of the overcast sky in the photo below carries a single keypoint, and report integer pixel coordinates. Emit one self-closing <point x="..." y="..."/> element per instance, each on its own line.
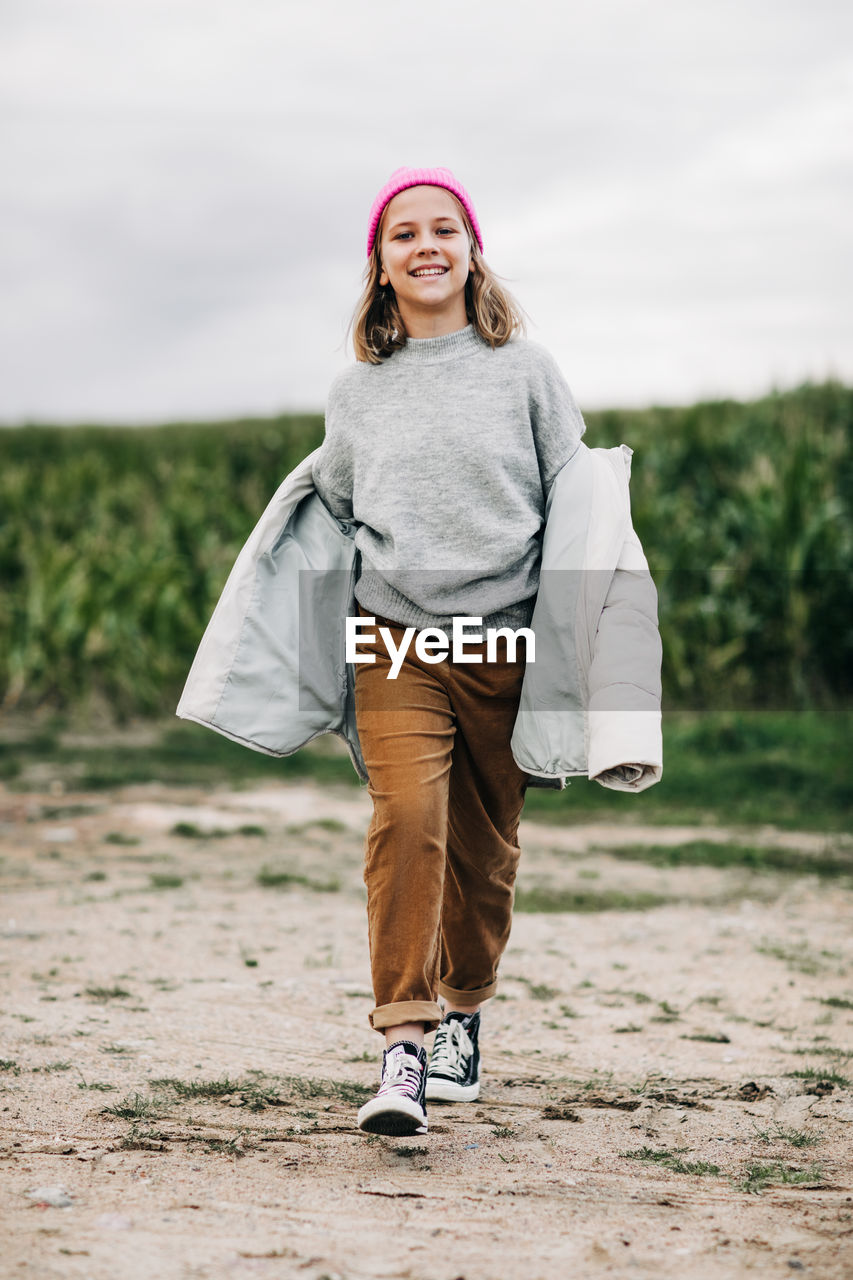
<point x="665" y="185"/>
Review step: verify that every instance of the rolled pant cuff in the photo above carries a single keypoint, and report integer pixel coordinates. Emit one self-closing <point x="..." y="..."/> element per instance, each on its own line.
<point x="467" y="997"/>
<point x="392" y="1015"/>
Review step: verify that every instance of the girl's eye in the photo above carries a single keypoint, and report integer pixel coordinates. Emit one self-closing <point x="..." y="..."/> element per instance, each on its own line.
<point x="442" y="231"/>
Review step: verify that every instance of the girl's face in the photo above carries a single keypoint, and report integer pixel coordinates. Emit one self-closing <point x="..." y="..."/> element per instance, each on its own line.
<point x="426" y="257"/>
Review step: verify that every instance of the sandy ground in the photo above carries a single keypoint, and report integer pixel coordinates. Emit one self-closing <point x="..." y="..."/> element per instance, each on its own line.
<point x="637" y="1063"/>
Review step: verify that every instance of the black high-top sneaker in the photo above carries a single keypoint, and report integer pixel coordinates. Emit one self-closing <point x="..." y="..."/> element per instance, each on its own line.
<point x="399" y="1108"/>
<point x="454" y="1066"/>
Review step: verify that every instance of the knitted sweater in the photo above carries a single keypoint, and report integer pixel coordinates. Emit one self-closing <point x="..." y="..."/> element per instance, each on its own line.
<point x="443" y="455"/>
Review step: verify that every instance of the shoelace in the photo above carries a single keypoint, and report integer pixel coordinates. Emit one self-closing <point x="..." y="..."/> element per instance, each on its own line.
<point x="452" y="1043"/>
<point x="404" y="1073"/>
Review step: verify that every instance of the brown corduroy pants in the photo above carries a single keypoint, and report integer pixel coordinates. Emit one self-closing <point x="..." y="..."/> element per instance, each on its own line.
<point x="442" y="851"/>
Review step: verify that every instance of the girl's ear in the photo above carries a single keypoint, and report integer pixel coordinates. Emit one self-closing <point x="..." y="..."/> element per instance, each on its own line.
<point x="383" y="277"/>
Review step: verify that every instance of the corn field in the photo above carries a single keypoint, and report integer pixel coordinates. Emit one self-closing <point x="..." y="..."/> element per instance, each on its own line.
<point x="115" y="544"/>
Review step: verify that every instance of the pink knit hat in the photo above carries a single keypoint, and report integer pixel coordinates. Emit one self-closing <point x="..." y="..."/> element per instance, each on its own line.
<point x="401" y="179"/>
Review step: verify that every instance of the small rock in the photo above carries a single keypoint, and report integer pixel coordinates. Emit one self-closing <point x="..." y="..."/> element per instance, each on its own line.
<point x="113" y="1222"/>
<point x="50" y="1197"/>
<point x="559" y="1112"/>
<point x="753" y="1092"/>
<point x="59" y="835"/>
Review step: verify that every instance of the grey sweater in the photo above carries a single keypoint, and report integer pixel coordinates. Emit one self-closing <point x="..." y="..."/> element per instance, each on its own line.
<point x="443" y="455"/>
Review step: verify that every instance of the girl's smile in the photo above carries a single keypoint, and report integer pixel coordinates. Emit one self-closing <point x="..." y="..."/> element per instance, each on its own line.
<point x="426" y="257"/>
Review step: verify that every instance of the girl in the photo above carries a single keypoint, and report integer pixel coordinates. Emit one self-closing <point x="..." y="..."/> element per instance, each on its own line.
<point x="441" y="444"/>
<point x="452" y="487"/>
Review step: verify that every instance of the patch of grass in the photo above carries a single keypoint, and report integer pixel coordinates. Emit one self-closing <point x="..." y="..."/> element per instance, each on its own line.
<point x="834" y="1002"/>
<point x="796" y="1137"/>
<point x="226" y="1146"/>
<point x="783" y="768"/>
<point x="197" y="1088"/>
<point x="9" y="1064"/>
<point x="96" y="1086"/>
<point x="709" y="1037"/>
<point x="262" y="1091"/>
<point x="178" y="754"/>
<point x="718" y="853"/>
<point x="758" y="1176"/>
<point x="102" y="994"/>
<point x="541" y="899"/>
<point x="541" y="991"/>
<point x="51" y="1067"/>
<point x="117" y="1048"/>
<point x="827" y="1050"/>
<point x="668" y="1012"/>
<point x="819" y="1075"/>
<point x="798" y="956"/>
<point x="165" y="880"/>
<point x="333" y="825"/>
<point x="95" y="876"/>
<point x="136" y="1107"/>
<point x="503" y="1131"/>
<point x="277" y="878"/>
<point x="672" y="1160"/>
<point x="628" y="1029"/>
<point x="191" y="831"/>
<point x="120" y="838"/>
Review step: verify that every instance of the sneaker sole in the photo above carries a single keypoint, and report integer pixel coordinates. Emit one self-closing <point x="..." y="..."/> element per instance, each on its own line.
<point x="396" y="1121"/>
<point x="446" y="1091"/>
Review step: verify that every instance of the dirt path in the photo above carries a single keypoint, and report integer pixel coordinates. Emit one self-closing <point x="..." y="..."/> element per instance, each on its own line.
<point x="639" y="1116"/>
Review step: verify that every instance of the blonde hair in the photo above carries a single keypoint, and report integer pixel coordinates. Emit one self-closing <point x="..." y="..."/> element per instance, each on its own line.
<point x="377" y="326"/>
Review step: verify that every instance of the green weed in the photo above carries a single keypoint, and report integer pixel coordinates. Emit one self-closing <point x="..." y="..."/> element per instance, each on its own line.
<point x="541" y="991"/>
<point x="102" y="994"/>
<point x="332" y="825"/>
<point x="716" y="853"/>
<point x="136" y="1107"/>
<point x="820" y="1075"/>
<point x="758" y="1176"/>
<point x="798" y="956"/>
<point x="541" y="900"/>
<point x="672" y="1160"/>
<point x="277" y="878"/>
<point x="164" y="880"/>
<point x="782" y="1133"/>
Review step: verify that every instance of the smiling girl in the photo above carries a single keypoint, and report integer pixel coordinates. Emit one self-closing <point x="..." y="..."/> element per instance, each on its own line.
<point x="441" y="445"/>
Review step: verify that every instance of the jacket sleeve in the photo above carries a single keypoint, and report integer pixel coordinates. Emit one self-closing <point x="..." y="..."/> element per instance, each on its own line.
<point x="625" y="749"/>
